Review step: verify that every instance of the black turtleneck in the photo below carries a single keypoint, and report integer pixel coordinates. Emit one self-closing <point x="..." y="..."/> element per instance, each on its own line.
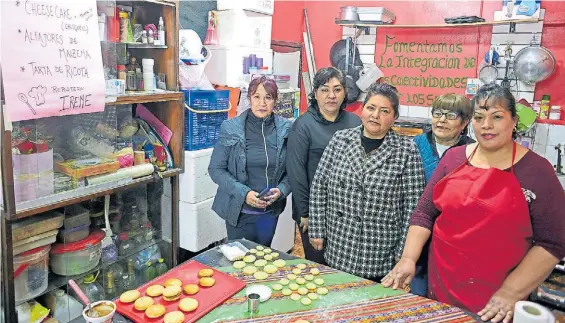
<point x="259" y="132"/>
<point x="370" y="144"/>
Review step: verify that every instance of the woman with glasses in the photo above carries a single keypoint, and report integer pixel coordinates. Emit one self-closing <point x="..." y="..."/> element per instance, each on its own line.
<point x="309" y="136"/>
<point x="451" y="114"/>
<point x="365" y="189"/>
<point x="249" y="165"/>
<point x="494" y="211"/>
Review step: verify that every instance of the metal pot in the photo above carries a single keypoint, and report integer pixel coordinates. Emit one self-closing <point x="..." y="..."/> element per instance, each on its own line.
<point x="349" y="13"/>
<point x="339" y="50"/>
<point x="533" y="64"/>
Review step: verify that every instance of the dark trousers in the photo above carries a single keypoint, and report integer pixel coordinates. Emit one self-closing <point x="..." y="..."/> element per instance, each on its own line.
<point x="309" y="252"/>
<point x="257" y="228"/>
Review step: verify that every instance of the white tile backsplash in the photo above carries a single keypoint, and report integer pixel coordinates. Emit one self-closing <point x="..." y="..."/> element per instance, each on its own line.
<point x="539" y="149"/>
<point x="542" y="132"/>
<point x="556" y="135"/>
<point x="419" y="112"/>
<point x="403" y="110"/>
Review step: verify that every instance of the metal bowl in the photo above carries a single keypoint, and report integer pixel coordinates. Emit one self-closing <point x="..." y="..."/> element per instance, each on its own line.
<point x="533" y="64"/>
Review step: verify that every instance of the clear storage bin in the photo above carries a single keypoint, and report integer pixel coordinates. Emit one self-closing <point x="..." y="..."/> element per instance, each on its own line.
<point x="31" y="270"/>
<point x="77" y="257"/>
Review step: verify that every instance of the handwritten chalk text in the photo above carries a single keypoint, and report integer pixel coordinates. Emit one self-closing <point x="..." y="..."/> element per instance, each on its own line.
<point x="47" y="10"/>
<point x="73" y="102"/>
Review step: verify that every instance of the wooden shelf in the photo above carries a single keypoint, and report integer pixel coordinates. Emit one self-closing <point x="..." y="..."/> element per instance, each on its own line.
<point x="145" y="97"/>
<point x="55" y="201"/>
<point x="362" y="24"/>
<point x="146" y="46"/>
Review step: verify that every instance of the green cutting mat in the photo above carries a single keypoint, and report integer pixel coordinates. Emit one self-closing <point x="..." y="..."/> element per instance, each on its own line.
<point x="343" y="289"/>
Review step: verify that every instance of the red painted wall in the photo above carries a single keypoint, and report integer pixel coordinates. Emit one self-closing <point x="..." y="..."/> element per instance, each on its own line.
<point x="288" y="25"/>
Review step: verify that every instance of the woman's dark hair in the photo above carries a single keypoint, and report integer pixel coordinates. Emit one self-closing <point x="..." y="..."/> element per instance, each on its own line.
<point x="322" y="77"/>
<point x="493" y="93"/>
<point x="388" y="91"/>
<point x="269" y="84"/>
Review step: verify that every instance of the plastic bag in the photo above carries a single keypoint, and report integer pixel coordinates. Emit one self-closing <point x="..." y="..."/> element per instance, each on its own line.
<point x="148" y="254"/>
<point x="233" y="251"/>
<point x="193" y="76"/>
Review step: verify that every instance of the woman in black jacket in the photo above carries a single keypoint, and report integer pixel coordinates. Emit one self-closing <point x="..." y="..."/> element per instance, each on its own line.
<point x="309" y="136"/>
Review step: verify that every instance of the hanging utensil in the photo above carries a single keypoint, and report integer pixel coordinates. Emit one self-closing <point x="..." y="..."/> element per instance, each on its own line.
<point x="489" y="73"/>
<point x="507" y="58"/>
<point x="534" y="63"/>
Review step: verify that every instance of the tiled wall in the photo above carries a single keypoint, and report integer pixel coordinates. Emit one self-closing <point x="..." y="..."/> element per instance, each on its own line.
<point x="547" y="138"/>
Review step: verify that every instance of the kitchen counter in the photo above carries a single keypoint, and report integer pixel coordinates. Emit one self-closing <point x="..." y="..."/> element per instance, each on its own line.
<point x="350" y="299"/>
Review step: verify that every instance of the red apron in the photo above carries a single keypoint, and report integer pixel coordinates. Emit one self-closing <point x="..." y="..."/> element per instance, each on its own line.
<point x="482" y="234"/>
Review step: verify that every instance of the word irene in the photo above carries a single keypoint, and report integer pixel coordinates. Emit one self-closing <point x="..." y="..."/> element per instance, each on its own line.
<point x="47" y="10"/>
<point x="72" y="102"/>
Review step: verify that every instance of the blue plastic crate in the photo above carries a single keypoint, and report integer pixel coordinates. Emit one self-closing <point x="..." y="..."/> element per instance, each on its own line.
<point x="202" y="126"/>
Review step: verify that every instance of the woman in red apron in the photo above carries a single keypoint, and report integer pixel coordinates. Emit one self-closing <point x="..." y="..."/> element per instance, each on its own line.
<point x="494" y="211"/>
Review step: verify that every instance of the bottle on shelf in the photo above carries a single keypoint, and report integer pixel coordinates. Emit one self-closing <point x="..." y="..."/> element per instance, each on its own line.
<point x="161" y="267"/>
<point x="161" y="32"/>
<point x="125" y="244"/>
<point x="131" y="272"/>
<point x="110" y="291"/>
<point x="544" y="107"/>
<point x="149" y="272"/>
<point x="92" y="289"/>
<point x="148" y="232"/>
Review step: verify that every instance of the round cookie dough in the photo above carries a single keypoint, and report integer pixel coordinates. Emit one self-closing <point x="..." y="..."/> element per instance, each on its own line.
<point x="275" y="255"/>
<point x="260" y="275"/>
<point x="319" y="281"/>
<point x="306" y="301"/>
<point x="249" y="258"/>
<point x="291" y="276"/>
<point x="239" y="264"/>
<point x="249" y="270"/>
<point x="253" y="250"/>
<point x="300" y="281"/>
<point x="297" y="271"/>
<point x="301" y="266"/>
<point x="270" y="269"/>
<point x="267" y="251"/>
<point x="277" y="287"/>
<point x="207" y="281"/>
<point x="260" y="253"/>
<point x="259" y="248"/>
<point x="286" y="292"/>
<point x="279" y="263"/>
<point x="260" y="263"/>
<point x="311" y="286"/>
<point x="322" y="291"/>
<point x="293" y="286"/>
<point x="313" y="296"/>
<point x="309" y="277"/>
<point x="315" y="271"/>
<point x="284" y="281"/>
<point x="295" y="297"/>
<point x="302" y="291"/>
<point x="268" y="257"/>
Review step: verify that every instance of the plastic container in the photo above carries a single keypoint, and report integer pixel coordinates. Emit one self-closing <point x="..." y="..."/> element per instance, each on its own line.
<point x="375" y="14"/>
<point x="202" y="127"/>
<point x="64" y="308"/>
<point x="147" y="64"/>
<point x="148" y="80"/>
<point x="74" y="234"/>
<point x="75" y="216"/>
<point x="31" y="271"/>
<point x="78" y="257"/>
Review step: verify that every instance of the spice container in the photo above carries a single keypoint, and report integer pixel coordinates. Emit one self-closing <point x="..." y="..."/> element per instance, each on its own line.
<point x="555" y="112"/>
<point x="544" y="107"/>
<point x="30" y="273"/>
<point x="77" y="257"/>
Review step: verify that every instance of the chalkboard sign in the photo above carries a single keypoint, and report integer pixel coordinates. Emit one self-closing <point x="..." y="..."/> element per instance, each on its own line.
<point x="425" y="64"/>
<point x="51" y="58"/>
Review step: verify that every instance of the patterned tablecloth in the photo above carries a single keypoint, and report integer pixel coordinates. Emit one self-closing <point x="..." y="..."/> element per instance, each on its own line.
<point x="350" y="299"/>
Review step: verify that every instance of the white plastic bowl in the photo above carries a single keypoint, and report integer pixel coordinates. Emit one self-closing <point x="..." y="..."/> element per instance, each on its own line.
<point x="104" y="319"/>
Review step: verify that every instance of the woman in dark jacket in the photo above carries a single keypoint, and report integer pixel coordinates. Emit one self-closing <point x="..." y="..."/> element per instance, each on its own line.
<point x="309" y="136"/>
<point x="451" y="114"/>
<point x="250" y="158"/>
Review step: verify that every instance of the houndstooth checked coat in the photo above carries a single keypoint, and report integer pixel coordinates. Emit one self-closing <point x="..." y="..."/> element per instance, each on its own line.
<point x="361" y="203"/>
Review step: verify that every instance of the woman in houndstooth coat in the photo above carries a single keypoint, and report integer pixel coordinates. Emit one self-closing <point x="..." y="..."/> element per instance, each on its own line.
<point x="367" y="184"/>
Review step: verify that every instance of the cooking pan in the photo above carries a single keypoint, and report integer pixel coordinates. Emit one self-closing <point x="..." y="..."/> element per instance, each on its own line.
<point x="339" y="50"/>
<point x="533" y="64"/>
<point x="353" y="91"/>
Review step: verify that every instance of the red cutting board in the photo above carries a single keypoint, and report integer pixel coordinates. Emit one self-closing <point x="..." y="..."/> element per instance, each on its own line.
<point x="208" y="297"/>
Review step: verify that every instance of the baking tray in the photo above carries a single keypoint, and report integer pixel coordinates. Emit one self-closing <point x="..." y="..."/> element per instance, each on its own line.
<point x="208" y="297"/>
